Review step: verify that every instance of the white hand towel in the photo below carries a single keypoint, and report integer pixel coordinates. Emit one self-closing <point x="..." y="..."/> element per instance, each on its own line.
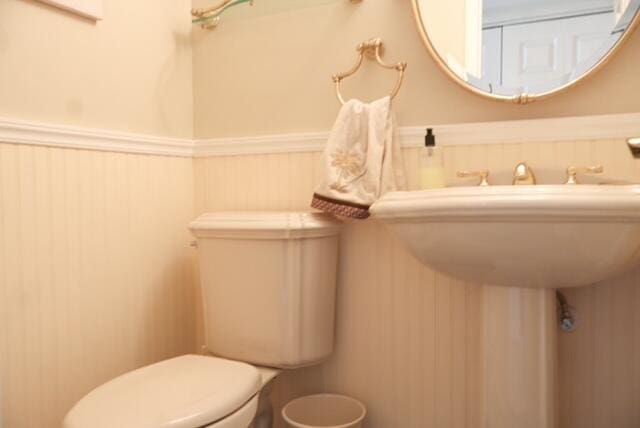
<point x="361" y="160"/>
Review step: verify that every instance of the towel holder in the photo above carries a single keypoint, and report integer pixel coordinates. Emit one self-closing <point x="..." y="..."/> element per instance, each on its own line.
<point x="372" y="49"/>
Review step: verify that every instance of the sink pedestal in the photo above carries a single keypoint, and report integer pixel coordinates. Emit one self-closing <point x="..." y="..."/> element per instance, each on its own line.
<point x="520" y="361"/>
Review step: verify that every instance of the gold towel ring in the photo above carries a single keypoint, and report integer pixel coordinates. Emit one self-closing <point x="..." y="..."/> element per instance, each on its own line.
<point x="372" y="49"/>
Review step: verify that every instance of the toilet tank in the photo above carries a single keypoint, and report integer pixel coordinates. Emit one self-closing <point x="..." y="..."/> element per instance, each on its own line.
<point x="268" y="285"/>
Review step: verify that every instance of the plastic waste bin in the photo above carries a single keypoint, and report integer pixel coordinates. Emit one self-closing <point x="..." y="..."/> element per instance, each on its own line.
<point x="324" y="411"/>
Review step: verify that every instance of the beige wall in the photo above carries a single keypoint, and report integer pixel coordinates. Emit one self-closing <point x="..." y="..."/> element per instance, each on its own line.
<point x="407" y="337"/>
<point x="273" y="74"/>
<point x="402" y="328"/>
<point x="96" y="273"/>
<point x="130" y="72"/>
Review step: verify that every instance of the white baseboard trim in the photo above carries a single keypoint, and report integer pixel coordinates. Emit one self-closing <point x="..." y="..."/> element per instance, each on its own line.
<point x="39" y="134"/>
<point x="581" y="128"/>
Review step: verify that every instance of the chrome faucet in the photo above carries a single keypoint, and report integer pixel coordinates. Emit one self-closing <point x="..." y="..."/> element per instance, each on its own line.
<point x="523" y="174"/>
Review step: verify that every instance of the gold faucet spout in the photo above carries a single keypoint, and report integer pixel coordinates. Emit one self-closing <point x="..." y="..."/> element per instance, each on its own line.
<point x="523" y="175"/>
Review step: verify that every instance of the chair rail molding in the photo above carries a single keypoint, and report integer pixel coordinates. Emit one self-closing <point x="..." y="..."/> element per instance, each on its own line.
<point x="579" y="128"/>
<point x="40" y="134"/>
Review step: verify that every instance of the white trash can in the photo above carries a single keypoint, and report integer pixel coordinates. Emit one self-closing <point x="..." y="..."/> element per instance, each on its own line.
<point x="324" y="411"/>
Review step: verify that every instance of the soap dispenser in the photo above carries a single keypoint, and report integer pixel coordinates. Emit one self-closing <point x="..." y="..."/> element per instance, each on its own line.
<point x="432" y="174"/>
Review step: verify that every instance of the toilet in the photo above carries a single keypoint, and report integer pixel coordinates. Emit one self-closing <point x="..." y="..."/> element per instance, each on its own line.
<point x="268" y="289"/>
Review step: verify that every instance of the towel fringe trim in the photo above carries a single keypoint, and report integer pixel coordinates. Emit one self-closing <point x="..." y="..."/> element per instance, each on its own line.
<point x="340" y="208"/>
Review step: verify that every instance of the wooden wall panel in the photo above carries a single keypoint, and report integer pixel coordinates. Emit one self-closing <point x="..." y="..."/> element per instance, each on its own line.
<point x="408" y="341"/>
<point x="96" y="273"/>
<point x="96" y="278"/>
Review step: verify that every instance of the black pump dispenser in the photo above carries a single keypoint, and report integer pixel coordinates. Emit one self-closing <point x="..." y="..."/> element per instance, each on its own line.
<point x="430" y="139"/>
<point x="432" y="173"/>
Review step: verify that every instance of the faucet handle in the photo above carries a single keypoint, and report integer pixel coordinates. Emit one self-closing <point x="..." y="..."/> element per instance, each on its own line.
<point x="483" y="174"/>
<point x="523" y="175"/>
<point x="573" y="171"/>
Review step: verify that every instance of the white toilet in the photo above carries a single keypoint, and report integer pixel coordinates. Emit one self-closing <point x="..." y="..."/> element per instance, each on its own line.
<point x="268" y="287"/>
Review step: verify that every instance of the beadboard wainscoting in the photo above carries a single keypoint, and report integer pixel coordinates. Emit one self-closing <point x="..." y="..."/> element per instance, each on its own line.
<point x="97" y="278"/>
<point x="96" y="273"/>
<point x="408" y="339"/>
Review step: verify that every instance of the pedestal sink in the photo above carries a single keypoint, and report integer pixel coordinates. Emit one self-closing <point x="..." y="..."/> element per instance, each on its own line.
<point x="522" y="242"/>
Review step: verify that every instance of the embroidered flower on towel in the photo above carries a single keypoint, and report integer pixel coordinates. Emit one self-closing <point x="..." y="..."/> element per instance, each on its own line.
<point x="349" y="164"/>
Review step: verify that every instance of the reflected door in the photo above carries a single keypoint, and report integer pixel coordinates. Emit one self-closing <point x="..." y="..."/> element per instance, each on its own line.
<point x="540" y="56"/>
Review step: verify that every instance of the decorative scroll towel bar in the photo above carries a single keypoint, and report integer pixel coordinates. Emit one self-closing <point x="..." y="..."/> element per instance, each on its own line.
<point x="371" y="49"/>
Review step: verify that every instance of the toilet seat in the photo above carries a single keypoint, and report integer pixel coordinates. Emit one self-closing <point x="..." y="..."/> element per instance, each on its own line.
<point x="189" y="391"/>
<point x="241" y="418"/>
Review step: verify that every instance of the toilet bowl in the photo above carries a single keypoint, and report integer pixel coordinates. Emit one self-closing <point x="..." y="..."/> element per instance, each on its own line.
<point x="268" y="287"/>
<point x="189" y="391"/>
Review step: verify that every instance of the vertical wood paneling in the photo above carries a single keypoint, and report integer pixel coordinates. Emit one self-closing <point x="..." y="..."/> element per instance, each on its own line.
<point x="636" y="349"/>
<point x="96" y="278"/>
<point x="408" y="340"/>
<point x="401" y="338"/>
<point x="4" y="295"/>
<point x="96" y="273"/>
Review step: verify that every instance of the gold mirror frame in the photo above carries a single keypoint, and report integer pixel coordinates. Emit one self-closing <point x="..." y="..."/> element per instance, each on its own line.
<point x="524" y="98"/>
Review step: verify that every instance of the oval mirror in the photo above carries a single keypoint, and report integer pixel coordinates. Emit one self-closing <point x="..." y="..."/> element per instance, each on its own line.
<point x="523" y="50"/>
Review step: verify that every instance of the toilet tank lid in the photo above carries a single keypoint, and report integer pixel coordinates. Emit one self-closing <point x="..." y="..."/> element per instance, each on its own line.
<point x="183" y="392"/>
<point x="264" y="224"/>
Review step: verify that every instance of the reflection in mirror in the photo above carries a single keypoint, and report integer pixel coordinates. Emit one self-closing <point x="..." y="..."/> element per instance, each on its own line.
<point x="515" y="49"/>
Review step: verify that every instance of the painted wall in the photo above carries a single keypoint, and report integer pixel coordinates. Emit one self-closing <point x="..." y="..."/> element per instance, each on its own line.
<point x="96" y="277"/>
<point x="96" y="273"/>
<point x="407" y="337"/>
<point x="272" y="74"/>
<point x="402" y="328"/>
<point x="130" y="72"/>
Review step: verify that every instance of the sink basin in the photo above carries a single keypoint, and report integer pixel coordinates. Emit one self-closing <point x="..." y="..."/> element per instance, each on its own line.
<point x="544" y="236"/>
